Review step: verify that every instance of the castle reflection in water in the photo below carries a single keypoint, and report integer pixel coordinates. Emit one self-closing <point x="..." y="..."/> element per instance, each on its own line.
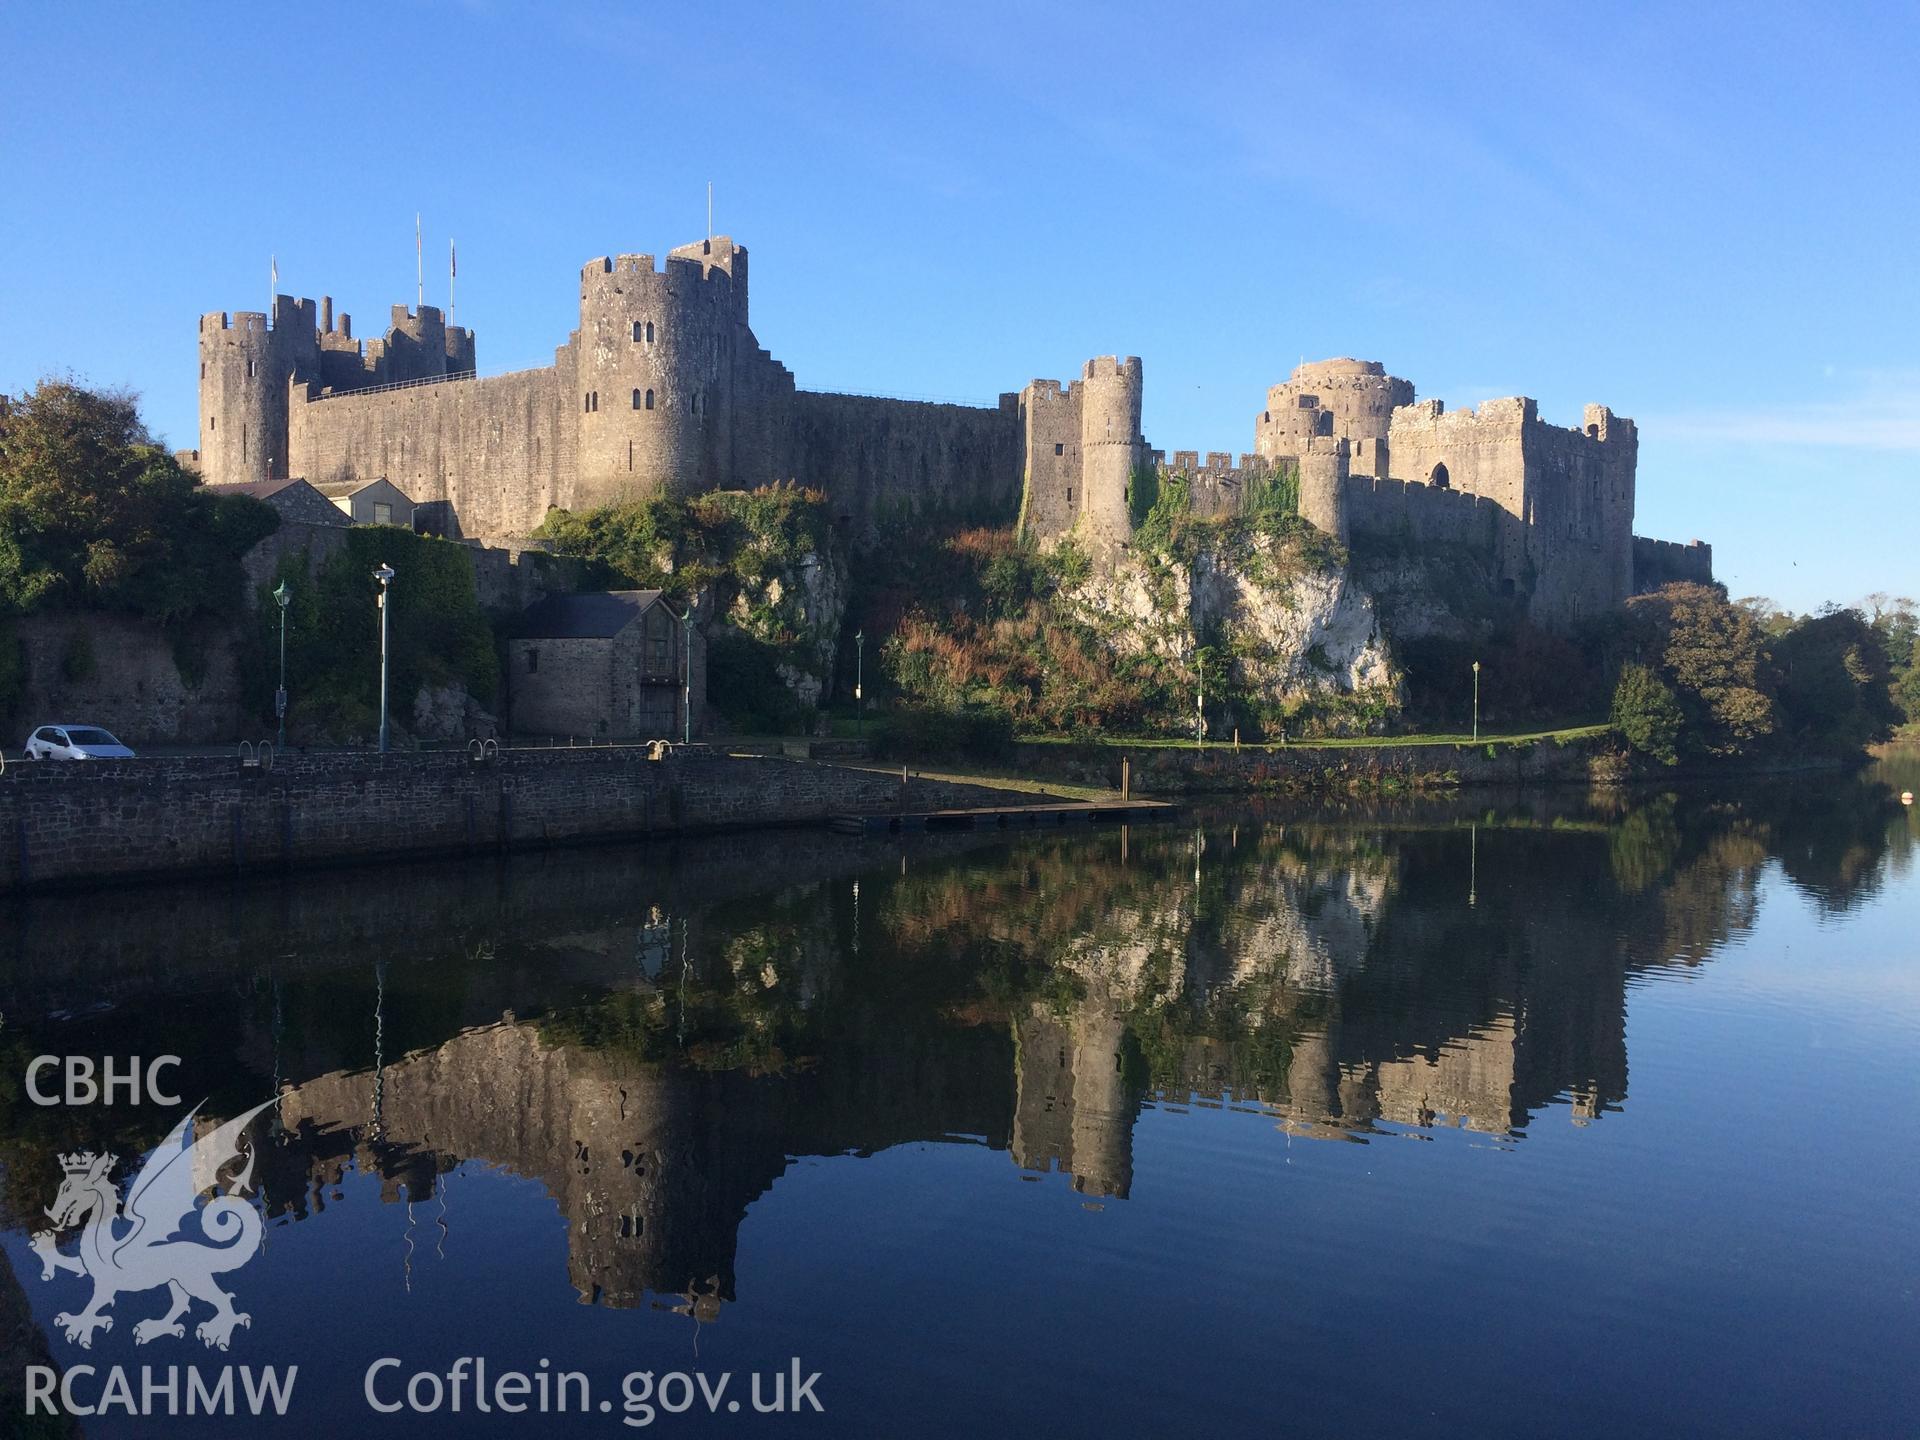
<point x="654" y="1035"/>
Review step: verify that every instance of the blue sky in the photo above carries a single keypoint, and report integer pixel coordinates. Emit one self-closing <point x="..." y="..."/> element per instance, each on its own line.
<point x="1703" y="217"/>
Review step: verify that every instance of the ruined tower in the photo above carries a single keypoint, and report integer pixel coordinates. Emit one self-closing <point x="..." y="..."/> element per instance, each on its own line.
<point x="1324" y="462"/>
<point x="1110" y="445"/>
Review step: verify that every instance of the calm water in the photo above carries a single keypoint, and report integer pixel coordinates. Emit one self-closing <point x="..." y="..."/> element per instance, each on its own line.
<point x="1535" y="1116"/>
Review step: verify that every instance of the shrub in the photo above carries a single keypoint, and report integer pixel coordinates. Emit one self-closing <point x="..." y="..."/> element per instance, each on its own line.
<point x="744" y="685"/>
<point x="913" y="730"/>
<point x="1647" y="714"/>
<point x="436" y="636"/>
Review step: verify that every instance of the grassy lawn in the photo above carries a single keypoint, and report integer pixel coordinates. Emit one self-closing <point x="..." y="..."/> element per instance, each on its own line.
<point x="1358" y="742"/>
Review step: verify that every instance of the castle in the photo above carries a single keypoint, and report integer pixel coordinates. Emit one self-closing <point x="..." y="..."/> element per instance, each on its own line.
<point x="1549" y="510"/>
<point x="663" y="389"/>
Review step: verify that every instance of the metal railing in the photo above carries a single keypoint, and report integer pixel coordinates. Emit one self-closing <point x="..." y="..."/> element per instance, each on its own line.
<point x="399" y="385"/>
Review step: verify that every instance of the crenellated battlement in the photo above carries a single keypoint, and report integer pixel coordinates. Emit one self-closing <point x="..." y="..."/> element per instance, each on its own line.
<point x="1110" y="367"/>
<point x="716" y="265"/>
<point x="238" y="320"/>
<point x="662" y="388"/>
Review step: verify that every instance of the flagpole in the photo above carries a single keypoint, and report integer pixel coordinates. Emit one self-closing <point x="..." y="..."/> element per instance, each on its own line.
<point x="419" y="268"/>
<point x="273" y="285"/>
<point x="453" y="277"/>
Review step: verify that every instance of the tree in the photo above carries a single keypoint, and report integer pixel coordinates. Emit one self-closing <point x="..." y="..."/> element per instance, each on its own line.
<point x="1647" y="713"/>
<point x="94" y="514"/>
<point x="1712" y="655"/>
<point x="1834" y="683"/>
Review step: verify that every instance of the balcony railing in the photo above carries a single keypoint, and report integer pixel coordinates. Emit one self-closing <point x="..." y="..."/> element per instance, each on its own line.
<point x="399" y="385"/>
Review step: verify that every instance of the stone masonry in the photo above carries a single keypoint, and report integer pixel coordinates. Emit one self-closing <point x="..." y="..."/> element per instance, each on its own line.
<point x="1550" y="509"/>
<point x="663" y="389"/>
<point x="109" y="819"/>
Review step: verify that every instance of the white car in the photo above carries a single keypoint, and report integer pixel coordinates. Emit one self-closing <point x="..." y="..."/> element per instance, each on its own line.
<point x="75" y="742"/>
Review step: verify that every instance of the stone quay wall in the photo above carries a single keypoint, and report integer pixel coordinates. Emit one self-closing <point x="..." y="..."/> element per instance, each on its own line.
<point x="1162" y="770"/>
<point x="78" y="823"/>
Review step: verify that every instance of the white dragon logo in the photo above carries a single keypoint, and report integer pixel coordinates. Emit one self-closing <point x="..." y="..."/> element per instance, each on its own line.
<point x="152" y="1252"/>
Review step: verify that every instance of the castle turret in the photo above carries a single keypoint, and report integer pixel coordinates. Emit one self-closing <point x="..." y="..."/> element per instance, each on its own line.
<point x="1110" y="446"/>
<point x="654" y="374"/>
<point x="1324" y="467"/>
<point x="246" y="364"/>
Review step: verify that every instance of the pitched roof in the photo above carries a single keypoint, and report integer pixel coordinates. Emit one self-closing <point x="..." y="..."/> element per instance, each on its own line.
<point x="596" y="615"/>
<point x="342" y="489"/>
<point x="258" y="489"/>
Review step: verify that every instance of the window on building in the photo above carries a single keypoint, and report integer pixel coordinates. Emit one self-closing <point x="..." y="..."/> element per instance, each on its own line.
<point x="203" y="369"/>
<point x="649" y="399"/>
<point x="659" y="641"/>
<point x="1069" y="497"/>
<point x="533" y="662"/>
<point x="1059" y="448"/>
<point x="649" y="332"/>
<point x="213" y="422"/>
<point x="629" y="454"/>
<point x="636" y="399"/>
<point x="382" y="513"/>
<point x="1440" y="480"/>
<point x="636" y="330"/>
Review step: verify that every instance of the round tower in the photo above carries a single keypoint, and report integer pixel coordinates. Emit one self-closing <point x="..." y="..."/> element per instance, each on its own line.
<point x="654" y="374"/>
<point x="1351" y="398"/>
<point x="245" y="367"/>
<point x="1110" y="445"/>
<point x="1324" y="466"/>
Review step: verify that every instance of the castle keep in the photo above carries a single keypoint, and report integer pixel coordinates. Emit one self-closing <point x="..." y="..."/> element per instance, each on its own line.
<point x="663" y="389"/>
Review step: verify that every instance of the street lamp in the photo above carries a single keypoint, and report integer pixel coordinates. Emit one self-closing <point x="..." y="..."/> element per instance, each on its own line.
<point x="1200" y="701"/>
<point x="1476" y="701"/>
<point x="687" y="621"/>
<point x="859" y="681"/>
<point x="282" y="596"/>
<point x="385" y="576"/>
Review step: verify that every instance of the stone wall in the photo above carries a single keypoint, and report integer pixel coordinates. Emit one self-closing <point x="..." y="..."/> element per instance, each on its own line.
<point x="119" y="673"/>
<point x="882" y="461"/>
<point x="499" y="452"/>
<point x="1164" y="770"/>
<point x="94" y="821"/>
<point x="1415" y="512"/>
<point x="1657" y="563"/>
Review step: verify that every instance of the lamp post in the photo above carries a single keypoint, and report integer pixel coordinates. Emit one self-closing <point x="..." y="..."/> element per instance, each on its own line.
<point x="687" y="622"/>
<point x="859" y="684"/>
<point x="1200" y="701"/>
<point x="1476" y="701"/>
<point x="282" y="595"/>
<point x="385" y="576"/>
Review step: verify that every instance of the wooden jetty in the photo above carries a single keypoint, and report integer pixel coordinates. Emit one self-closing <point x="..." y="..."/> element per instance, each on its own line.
<point x="1006" y="817"/>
